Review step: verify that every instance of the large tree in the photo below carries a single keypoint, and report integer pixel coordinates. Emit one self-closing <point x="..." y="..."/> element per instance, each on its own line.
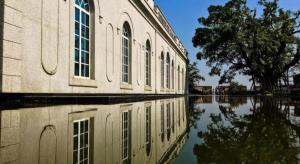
<point x="236" y="39"/>
<point x="194" y="76"/>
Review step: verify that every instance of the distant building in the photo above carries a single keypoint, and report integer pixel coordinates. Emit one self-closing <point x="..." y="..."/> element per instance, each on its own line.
<point x="205" y="90"/>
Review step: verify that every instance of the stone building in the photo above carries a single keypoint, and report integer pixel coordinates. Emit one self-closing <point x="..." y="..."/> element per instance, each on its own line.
<point x="89" y="46"/>
<point x="141" y="132"/>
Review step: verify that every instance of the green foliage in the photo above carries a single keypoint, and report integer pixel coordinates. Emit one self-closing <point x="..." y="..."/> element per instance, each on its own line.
<point x="194" y="76"/>
<point x="235" y="88"/>
<point x="235" y="37"/>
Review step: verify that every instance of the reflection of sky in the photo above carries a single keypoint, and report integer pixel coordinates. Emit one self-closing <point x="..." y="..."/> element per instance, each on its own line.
<point x="183" y="15"/>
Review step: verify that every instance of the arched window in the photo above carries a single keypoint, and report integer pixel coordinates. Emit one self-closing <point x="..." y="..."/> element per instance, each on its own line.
<point x="178" y="78"/>
<point x="162" y="70"/>
<point x="173" y="75"/>
<point x="126" y="53"/>
<point x="168" y="70"/>
<point x="148" y="63"/>
<point x="82" y="58"/>
<point x="183" y="80"/>
<point x="148" y="130"/>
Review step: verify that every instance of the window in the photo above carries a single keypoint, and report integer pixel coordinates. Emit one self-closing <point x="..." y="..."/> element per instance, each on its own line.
<point x="162" y="69"/>
<point x="183" y="80"/>
<point x="148" y="63"/>
<point x="178" y="72"/>
<point x="168" y="70"/>
<point x="82" y="39"/>
<point x="168" y="121"/>
<point x="173" y="75"/>
<point x="162" y="121"/>
<point x="81" y="143"/>
<point x="148" y="130"/>
<point x="126" y="137"/>
<point x="126" y="53"/>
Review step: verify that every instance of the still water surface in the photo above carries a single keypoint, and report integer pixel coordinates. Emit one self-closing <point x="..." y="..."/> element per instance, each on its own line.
<point x="183" y="130"/>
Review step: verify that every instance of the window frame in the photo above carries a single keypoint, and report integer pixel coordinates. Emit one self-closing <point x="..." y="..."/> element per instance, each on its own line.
<point x="79" y="121"/>
<point x="80" y="49"/>
<point x="128" y="38"/>
<point x="148" y="64"/>
<point x="162" y="71"/>
<point x="168" y="71"/>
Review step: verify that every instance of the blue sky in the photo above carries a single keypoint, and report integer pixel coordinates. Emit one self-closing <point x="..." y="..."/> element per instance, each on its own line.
<point x="183" y="16"/>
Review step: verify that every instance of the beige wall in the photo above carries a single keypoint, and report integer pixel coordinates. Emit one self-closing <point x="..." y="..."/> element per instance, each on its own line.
<point x="37" y="134"/>
<point x="38" y="47"/>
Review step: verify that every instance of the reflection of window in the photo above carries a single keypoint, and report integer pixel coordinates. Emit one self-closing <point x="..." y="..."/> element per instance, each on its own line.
<point x="126" y="137"/>
<point x="168" y="121"/>
<point x="178" y="109"/>
<point x="162" y="71"/>
<point x="126" y="56"/>
<point x="148" y="63"/>
<point x="148" y="130"/>
<point x="162" y="121"/>
<point x="82" y="39"/>
<point x="173" y="119"/>
<point x="81" y="143"/>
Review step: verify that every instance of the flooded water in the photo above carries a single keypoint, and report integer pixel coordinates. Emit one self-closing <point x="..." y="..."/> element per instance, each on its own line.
<point x="183" y="130"/>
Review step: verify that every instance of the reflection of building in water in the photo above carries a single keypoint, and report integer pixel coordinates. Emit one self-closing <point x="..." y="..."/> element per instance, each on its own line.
<point x="142" y="132"/>
<point x="204" y="100"/>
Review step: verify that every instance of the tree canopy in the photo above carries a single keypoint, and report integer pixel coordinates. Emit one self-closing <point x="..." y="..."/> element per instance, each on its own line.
<point x="235" y="39"/>
<point x="194" y="76"/>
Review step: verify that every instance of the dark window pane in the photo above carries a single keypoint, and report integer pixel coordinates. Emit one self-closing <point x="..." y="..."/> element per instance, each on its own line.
<point x="76" y="56"/>
<point x="81" y="140"/>
<point x="83" y="17"/>
<point x="82" y="71"/>
<point x="86" y="139"/>
<point x="86" y="125"/>
<point x="76" y="69"/>
<point x="75" y="143"/>
<point x="82" y="57"/>
<point x="77" y="2"/>
<point x="87" y="71"/>
<point x="87" y="58"/>
<point x="77" y="14"/>
<point x="75" y="128"/>
<point x="86" y="152"/>
<point x="81" y="124"/>
<point x="75" y="156"/>
<point x="76" y="41"/>
<point x="81" y="154"/>
<point x="77" y="27"/>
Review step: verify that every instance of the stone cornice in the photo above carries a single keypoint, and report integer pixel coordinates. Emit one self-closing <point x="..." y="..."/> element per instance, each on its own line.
<point x="156" y="17"/>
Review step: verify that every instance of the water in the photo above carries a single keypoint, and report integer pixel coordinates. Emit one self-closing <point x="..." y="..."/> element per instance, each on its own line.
<point x="180" y="130"/>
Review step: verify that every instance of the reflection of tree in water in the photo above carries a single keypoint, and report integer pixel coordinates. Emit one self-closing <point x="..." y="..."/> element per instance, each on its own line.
<point x="233" y="101"/>
<point x="265" y="136"/>
<point x="194" y="113"/>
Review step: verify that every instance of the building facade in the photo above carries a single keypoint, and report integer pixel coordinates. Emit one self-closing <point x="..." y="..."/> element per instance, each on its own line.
<point x="89" y="46"/>
<point x="141" y="132"/>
